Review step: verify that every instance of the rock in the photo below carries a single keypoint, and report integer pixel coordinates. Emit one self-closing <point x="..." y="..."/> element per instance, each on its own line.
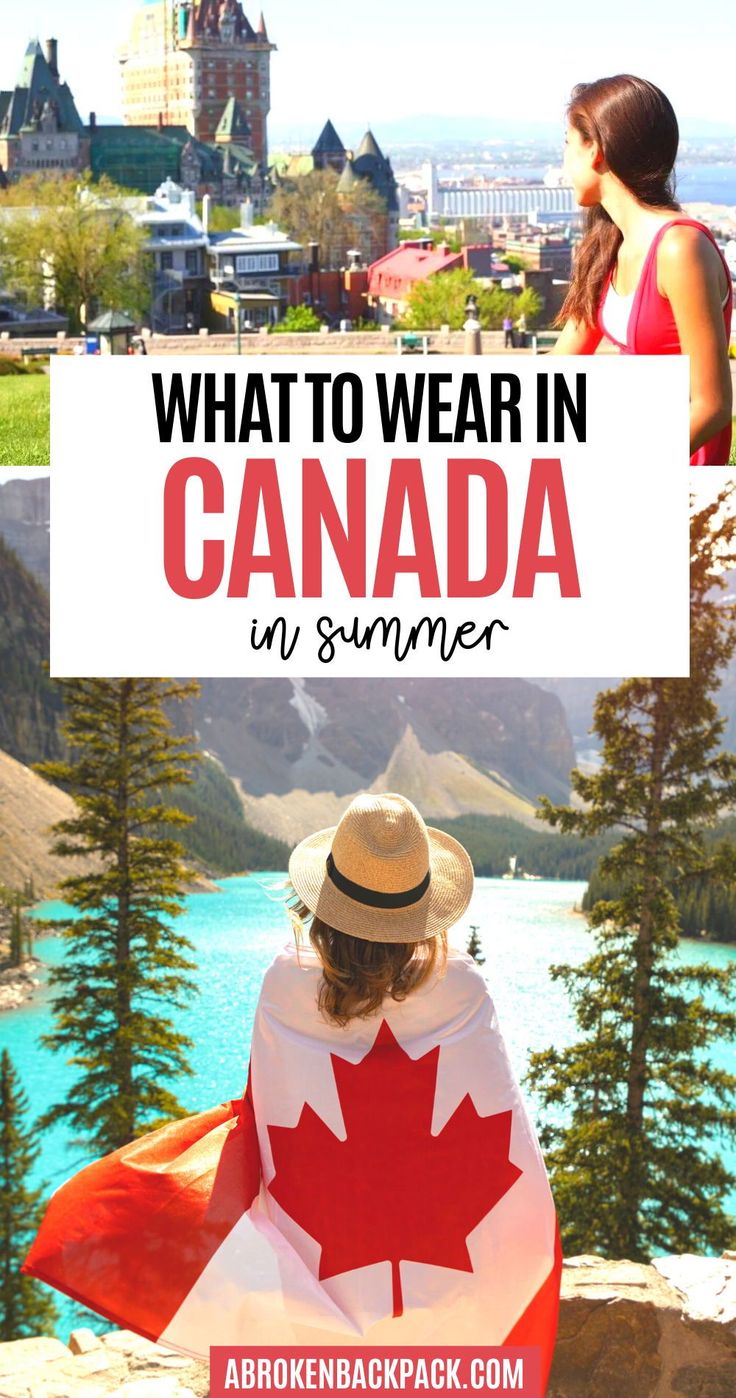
<point x="83" y="1340"/>
<point x="17" y="983"/>
<point x="708" y="1285"/>
<point x="627" y="1330"/>
<point x="608" y="1336"/>
<point x="631" y="1330"/>
<point x="16" y="1355"/>
<point x="128" y="1342"/>
<point x="155" y="1388"/>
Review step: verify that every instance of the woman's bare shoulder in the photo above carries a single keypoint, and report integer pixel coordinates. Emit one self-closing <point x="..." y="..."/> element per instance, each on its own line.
<point x="685" y="245"/>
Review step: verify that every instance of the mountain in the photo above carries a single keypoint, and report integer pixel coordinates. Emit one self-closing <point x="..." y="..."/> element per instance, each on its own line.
<point x="578" y="695"/>
<point x="30" y="703"/>
<point x="443" y="784"/>
<point x="577" y="698"/>
<point x="339" y="735"/>
<point x="24" y="522"/>
<point x="29" y="805"/>
<point x="31" y="709"/>
<point x="220" y="837"/>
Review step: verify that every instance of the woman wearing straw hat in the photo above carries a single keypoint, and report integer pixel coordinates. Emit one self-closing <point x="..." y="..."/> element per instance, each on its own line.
<point x="379" y="1183"/>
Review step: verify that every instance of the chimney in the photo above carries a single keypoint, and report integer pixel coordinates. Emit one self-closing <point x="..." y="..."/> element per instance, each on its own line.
<point x="93" y="121"/>
<point x="206" y="201"/>
<point x="246" y="213"/>
<point x="313" y="256"/>
<point x="52" y="55"/>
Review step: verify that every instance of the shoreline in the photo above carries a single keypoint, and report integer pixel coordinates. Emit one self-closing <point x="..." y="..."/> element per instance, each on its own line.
<point x="18" y="983"/>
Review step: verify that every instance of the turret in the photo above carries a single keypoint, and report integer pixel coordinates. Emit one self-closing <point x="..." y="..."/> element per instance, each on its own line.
<point x="52" y="56"/>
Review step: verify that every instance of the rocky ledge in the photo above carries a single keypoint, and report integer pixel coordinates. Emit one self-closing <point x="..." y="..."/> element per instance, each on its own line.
<point x="630" y="1330"/>
<point x="92" y="1365"/>
<point x="627" y="1330"/>
<point x="17" y="983"/>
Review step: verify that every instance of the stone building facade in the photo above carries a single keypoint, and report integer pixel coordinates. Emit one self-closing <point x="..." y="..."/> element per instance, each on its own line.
<point x="184" y="61"/>
<point x="41" y="131"/>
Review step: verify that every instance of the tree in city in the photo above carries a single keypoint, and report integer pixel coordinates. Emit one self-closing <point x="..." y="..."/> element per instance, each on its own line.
<point x="441" y="298"/>
<point x="26" y="1306"/>
<point x="124" y="965"/>
<point x="301" y="318"/>
<point x="74" y="246"/>
<point x="310" y="209"/>
<point x="527" y="303"/>
<point x="636" y="1107"/>
<point x="444" y="234"/>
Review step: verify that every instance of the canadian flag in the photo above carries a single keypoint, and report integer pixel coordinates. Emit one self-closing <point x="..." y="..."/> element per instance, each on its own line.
<point x="378" y="1184"/>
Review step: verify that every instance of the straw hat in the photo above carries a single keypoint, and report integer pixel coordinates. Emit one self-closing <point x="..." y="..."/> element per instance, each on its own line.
<point x="382" y="874"/>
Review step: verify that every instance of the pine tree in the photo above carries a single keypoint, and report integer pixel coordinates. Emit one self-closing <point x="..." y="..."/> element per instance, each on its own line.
<point x="28" y="932"/>
<point x="474" y="948"/>
<point x="26" y="1306"/>
<point x="636" y="1107"/>
<point x="124" y="962"/>
<point x="16" y="933"/>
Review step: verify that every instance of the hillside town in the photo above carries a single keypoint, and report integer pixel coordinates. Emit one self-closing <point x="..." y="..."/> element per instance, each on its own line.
<point x="214" y="233"/>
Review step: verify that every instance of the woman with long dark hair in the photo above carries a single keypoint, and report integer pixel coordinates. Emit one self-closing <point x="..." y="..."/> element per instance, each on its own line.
<point x="379" y="1182"/>
<point x="646" y="277"/>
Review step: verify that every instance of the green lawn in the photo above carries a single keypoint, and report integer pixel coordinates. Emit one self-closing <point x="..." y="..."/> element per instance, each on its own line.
<point x="24" y="420"/>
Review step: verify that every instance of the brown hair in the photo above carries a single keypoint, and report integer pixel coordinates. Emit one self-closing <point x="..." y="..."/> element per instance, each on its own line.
<point x="636" y="129"/>
<point x="357" y="973"/>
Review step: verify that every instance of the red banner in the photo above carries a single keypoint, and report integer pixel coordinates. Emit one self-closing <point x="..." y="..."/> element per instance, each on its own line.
<point x="375" y="1370"/>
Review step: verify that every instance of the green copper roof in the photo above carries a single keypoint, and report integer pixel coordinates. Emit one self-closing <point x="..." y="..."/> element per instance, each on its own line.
<point x="369" y="146"/>
<point x="348" y="179"/>
<point x="111" y="320"/>
<point x="233" y="124"/>
<point x="142" y="157"/>
<point x="36" y="88"/>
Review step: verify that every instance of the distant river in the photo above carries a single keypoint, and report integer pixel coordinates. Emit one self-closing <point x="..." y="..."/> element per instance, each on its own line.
<point x="696" y="184"/>
<point x="524" y="926"/>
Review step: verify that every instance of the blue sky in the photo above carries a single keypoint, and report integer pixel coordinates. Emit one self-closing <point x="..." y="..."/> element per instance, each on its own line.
<point x="372" y="63"/>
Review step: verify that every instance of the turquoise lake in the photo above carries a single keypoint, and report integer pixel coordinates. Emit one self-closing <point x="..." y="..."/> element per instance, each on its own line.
<point x="523" y="926"/>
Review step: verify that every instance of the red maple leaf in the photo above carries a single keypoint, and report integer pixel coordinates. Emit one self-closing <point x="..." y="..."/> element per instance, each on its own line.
<point x="391" y="1191"/>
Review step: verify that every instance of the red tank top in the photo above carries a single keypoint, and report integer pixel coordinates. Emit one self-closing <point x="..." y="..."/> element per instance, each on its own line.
<point x="652" y="330"/>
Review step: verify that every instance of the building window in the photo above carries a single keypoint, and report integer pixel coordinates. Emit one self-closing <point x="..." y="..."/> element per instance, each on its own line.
<point x="166" y="261"/>
<point x="192" y="262"/>
<point x="257" y="262"/>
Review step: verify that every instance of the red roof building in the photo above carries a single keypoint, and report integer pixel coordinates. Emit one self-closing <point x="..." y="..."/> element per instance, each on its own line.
<point x="392" y="277"/>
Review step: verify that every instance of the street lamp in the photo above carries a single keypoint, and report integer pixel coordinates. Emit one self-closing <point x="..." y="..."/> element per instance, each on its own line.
<point x="472" y="326"/>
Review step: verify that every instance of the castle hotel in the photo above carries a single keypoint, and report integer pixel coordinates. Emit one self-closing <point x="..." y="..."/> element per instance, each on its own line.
<point x="183" y="61"/>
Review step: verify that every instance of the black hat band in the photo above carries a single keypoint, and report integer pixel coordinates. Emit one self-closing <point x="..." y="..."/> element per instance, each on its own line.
<point x="371" y="896"/>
